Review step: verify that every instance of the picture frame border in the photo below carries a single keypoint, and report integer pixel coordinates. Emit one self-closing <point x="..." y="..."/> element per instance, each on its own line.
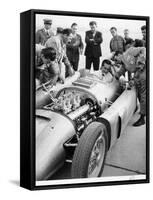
<point x="27" y="99"/>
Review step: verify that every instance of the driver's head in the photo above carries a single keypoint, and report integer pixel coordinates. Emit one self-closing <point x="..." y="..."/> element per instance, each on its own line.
<point x="106" y="66"/>
<point x="48" y="55"/>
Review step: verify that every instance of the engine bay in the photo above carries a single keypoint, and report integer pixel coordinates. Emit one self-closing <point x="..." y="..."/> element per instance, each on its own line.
<point x="79" y="106"/>
<point x="70" y="99"/>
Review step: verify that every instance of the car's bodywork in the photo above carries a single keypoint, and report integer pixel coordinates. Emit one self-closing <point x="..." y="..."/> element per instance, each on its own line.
<point x="61" y="122"/>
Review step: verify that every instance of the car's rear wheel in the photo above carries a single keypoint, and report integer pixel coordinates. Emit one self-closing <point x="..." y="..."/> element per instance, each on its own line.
<point x="89" y="156"/>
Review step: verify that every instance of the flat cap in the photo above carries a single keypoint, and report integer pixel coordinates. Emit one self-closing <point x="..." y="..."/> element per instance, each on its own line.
<point x="47" y="21"/>
<point x="59" y="30"/>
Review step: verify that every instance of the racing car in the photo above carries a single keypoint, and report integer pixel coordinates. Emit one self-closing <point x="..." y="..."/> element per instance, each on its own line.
<point x="79" y="124"/>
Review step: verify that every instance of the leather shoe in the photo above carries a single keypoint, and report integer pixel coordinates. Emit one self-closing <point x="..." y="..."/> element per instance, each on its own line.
<point x="139" y="122"/>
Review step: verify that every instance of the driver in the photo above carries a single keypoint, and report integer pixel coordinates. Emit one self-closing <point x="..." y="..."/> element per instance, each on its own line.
<point x="107" y="71"/>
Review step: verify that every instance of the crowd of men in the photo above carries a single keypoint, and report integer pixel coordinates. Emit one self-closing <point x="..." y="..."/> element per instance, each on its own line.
<point x="57" y="57"/>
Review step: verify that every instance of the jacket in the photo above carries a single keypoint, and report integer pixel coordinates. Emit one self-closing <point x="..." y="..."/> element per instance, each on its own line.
<point x="117" y="43"/>
<point x="74" y="47"/>
<point x="42" y="36"/>
<point x="93" y="48"/>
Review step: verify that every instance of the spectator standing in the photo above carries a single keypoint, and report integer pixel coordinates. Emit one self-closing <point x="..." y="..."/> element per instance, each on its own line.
<point x="117" y="43"/>
<point x="128" y="41"/>
<point x="75" y="47"/>
<point x="143" y="30"/>
<point x="42" y="35"/>
<point x="93" y="40"/>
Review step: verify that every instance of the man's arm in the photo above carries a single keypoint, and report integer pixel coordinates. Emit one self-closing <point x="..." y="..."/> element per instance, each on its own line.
<point x="69" y="69"/>
<point x="81" y="46"/>
<point x="88" y="40"/>
<point x="110" y="46"/>
<point x="56" y="72"/>
<point x="98" y="39"/>
<point x="81" y="43"/>
<point x="123" y="43"/>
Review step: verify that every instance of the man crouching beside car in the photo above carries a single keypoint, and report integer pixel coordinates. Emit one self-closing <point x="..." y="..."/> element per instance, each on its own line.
<point x="50" y="71"/>
<point x="134" y="62"/>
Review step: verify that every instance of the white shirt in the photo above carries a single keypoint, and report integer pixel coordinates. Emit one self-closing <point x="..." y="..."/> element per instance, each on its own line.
<point x="104" y="77"/>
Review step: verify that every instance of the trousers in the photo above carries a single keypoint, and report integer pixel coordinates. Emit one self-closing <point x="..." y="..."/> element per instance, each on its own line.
<point x="95" y="61"/>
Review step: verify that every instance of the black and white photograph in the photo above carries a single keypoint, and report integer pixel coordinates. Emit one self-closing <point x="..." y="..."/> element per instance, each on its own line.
<point x="90" y="79"/>
<point x="76" y="95"/>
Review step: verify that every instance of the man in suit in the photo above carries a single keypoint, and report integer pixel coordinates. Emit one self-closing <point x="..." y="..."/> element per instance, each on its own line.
<point x="93" y="52"/>
<point x="42" y="35"/>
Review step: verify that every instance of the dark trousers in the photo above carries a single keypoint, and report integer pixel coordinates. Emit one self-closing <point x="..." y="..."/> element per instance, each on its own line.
<point x="141" y="93"/>
<point x="75" y="64"/>
<point x="95" y="61"/>
<point x="140" y="82"/>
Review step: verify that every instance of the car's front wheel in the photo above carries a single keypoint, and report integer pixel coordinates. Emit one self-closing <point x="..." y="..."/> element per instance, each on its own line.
<point x="89" y="156"/>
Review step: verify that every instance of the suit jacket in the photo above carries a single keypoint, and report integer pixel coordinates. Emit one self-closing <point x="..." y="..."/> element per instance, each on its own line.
<point x="42" y="36"/>
<point x="93" y="48"/>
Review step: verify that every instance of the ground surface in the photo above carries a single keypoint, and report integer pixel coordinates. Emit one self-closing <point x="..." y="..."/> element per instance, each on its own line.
<point x="126" y="157"/>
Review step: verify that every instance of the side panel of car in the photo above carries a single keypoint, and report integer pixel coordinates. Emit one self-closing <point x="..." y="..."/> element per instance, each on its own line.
<point x="120" y="113"/>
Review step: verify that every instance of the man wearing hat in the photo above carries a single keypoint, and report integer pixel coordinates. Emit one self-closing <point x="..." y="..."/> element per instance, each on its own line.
<point x="42" y="35"/>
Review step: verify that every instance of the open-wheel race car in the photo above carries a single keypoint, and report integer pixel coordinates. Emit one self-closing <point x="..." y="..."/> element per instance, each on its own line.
<point x="79" y="124"/>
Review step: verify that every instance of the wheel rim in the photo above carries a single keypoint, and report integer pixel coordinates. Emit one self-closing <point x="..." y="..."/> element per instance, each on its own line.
<point x="97" y="157"/>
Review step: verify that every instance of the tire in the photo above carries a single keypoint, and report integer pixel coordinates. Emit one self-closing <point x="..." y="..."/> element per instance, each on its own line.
<point x="89" y="155"/>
